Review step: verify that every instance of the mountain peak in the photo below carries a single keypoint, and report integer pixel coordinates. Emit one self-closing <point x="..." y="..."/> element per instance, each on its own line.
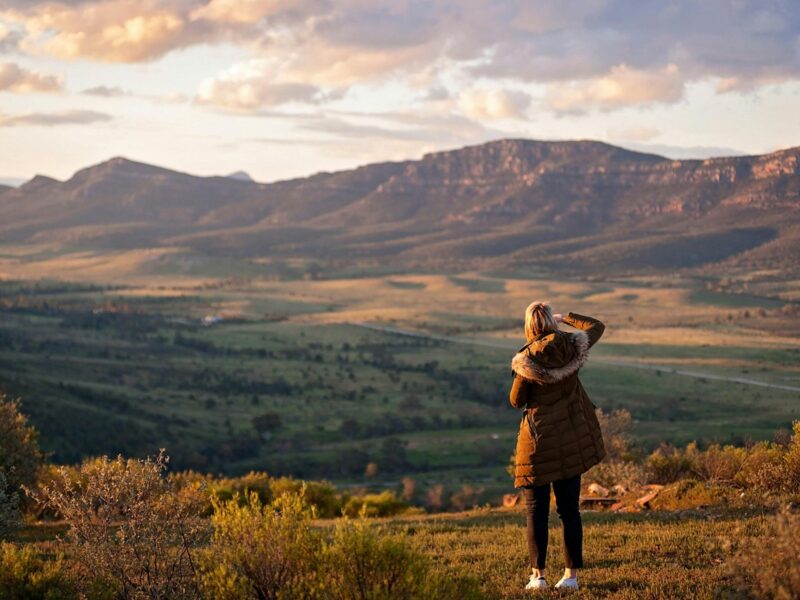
<point x="241" y="176"/>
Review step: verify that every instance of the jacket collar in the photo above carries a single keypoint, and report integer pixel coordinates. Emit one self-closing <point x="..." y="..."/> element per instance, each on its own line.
<point x="524" y="366"/>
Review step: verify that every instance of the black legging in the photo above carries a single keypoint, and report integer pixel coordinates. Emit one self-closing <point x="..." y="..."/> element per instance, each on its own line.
<point x="537" y="505"/>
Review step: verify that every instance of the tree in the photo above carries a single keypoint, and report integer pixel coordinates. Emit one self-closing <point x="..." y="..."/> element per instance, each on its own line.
<point x="266" y="423"/>
<point x="20" y="459"/>
<point x="20" y="456"/>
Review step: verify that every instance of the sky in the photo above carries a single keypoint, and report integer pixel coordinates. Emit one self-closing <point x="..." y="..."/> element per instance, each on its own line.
<point x="287" y="88"/>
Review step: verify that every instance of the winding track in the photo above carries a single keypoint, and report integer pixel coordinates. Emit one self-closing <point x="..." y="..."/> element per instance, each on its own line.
<point x="616" y="363"/>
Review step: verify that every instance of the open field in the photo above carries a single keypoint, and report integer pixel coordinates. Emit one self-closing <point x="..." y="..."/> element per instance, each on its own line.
<point x="124" y="364"/>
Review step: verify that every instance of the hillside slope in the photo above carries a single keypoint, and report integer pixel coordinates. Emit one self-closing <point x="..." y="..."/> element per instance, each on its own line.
<point x="581" y="205"/>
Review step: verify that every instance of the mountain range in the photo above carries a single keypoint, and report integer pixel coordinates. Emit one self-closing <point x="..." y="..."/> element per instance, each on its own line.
<point x="583" y="206"/>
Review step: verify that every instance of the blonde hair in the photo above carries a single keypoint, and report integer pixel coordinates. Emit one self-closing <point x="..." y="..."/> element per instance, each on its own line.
<point x="539" y="319"/>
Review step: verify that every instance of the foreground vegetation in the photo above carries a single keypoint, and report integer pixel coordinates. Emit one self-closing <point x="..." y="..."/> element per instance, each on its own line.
<point x="128" y="529"/>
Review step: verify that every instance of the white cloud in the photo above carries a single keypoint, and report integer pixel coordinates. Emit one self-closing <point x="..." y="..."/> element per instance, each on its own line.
<point x="14" y="78"/>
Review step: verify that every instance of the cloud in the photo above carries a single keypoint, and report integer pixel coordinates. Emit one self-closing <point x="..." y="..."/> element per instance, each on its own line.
<point x="494" y="104"/>
<point x="249" y="86"/>
<point x="105" y="91"/>
<point x="9" y="39"/>
<point x="14" y="78"/>
<point x="592" y="54"/>
<point x="66" y="117"/>
<point x="621" y="87"/>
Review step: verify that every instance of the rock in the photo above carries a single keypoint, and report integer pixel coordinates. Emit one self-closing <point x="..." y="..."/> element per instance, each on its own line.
<point x="644" y="501"/>
<point x="510" y="500"/>
<point x="598" y="490"/>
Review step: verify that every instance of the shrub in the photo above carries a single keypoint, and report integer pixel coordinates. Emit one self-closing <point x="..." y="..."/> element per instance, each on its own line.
<point x="669" y="464"/>
<point x="766" y="566"/>
<point x="718" y="464"/>
<point x="465" y="498"/>
<point x="9" y="510"/>
<point x="367" y="563"/>
<point x="616" y="427"/>
<point x="763" y="468"/>
<point x="129" y="527"/>
<point x="20" y="456"/>
<point x="24" y="575"/>
<point x="609" y="473"/>
<point x="689" y="493"/>
<point x="792" y="461"/>
<point x="384" y="504"/>
<point x="322" y="495"/>
<point x="261" y="551"/>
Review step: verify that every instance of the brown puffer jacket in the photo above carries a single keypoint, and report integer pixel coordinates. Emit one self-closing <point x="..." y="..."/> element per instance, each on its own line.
<point x="559" y="435"/>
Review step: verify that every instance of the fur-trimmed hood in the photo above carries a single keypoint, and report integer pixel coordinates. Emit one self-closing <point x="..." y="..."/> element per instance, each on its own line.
<point x="552" y="358"/>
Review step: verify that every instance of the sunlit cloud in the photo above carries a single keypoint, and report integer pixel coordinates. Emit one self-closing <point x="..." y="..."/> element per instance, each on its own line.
<point x="14" y="78"/>
<point x="494" y="104"/>
<point x="621" y="87"/>
<point x="249" y="85"/>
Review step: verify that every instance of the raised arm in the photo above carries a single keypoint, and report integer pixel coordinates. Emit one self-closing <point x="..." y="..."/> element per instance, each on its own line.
<point x="593" y="328"/>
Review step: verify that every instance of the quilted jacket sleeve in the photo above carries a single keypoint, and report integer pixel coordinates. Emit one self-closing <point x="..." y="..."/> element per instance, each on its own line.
<point x="520" y="392"/>
<point x="593" y="328"/>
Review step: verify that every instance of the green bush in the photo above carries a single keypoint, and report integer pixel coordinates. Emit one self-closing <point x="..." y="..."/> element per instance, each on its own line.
<point x="322" y="495"/>
<point x="261" y="551"/>
<point x="363" y="562"/>
<point x="20" y="457"/>
<point x="384" y="504"/>
<point x="669" y="464"/>
<point x="763" y="468"/>
<point x="9" y="509"/>
<point x="24" y="575"/>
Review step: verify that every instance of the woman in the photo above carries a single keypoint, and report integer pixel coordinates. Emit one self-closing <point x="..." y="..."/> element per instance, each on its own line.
<point x="559" y="435"/>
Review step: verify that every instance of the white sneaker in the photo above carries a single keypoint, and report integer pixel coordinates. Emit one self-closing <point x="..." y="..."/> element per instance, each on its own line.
<point x="569" y="583"/>
<point x="536" y="583"/>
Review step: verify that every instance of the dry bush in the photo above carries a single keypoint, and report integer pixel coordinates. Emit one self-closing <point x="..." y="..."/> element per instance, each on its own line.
<point x="24" y="575"/>
<point x="465" y="498"/>
<point x="763" y="468"/>
<point x="436" y="497"/>
<point x="129" y="528"/>
<point x="609" y="473"/>
<point x="719" y="464"/>
<point x="792" y="461"/>
<point x="261" y="551"/>
<point x="668" y="464"/>
<point x="766" y="566"/>
<point x="616" y="427"/>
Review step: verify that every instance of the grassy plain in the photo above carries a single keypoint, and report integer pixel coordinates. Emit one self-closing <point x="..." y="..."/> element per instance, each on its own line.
<point x="110" y="355"/>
